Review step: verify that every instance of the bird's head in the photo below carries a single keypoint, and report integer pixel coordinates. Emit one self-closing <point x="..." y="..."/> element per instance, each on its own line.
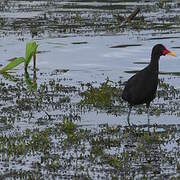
<point x="162" y="50"/>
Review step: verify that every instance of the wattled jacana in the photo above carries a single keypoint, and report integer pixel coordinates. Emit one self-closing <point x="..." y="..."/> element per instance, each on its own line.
<point x="141" y="88"/>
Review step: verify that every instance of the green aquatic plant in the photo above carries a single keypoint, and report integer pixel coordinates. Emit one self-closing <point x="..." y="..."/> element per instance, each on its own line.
<point x="31" y="48"/>
<point x="103" y="96"/>
<point x="161" y="4"/>
<point x="68" y="126"/>
<point x="12" y="64"/>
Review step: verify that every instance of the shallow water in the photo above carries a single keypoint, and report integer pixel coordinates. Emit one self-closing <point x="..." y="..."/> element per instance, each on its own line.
<point x="81" y="42"/>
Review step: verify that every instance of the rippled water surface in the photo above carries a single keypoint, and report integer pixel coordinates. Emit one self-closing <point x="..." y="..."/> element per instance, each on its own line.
<point x="71" y="123"/>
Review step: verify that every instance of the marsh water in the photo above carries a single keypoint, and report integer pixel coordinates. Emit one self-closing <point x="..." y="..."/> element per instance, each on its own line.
<point x="70" y="122"/>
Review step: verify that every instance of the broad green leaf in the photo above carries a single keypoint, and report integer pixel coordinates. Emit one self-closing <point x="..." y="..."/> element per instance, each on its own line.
<point x="30" y="51"/>
<point x="12" y="64"/>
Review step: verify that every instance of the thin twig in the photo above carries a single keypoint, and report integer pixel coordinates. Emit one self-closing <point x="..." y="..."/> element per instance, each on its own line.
<point x="130" y="17"/>
<point x="49" y="116"/>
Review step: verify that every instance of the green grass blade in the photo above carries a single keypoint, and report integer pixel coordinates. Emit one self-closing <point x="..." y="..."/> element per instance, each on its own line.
<point x="30" y="51"/>
<point x="12" y="64"/>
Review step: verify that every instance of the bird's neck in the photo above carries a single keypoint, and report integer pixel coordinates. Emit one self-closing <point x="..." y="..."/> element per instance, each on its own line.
<point x="154" y="64"/>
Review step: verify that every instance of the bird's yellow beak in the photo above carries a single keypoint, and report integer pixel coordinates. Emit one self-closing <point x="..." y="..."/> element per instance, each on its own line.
<point x="171" y="53"/>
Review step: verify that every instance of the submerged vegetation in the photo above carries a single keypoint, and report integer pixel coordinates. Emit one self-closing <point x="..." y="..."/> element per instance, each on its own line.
<point x="51" y="141"/>
<point x="104" y="96"/>
<point x="78" y="17"/>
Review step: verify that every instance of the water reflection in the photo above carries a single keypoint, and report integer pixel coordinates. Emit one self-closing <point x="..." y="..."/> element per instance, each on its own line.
<point x="31" y="83"/>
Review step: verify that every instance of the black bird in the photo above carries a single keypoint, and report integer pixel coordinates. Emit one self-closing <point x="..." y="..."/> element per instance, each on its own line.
<point x="141" y="88"/>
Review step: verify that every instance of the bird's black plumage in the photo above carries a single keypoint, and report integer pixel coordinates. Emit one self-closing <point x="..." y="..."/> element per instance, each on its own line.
<point x="141" y="88"/>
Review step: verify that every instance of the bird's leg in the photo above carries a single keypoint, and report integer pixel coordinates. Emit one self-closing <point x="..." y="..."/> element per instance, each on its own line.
<point x="148" y="115"/>
<point x="130" y="107"/>
<point x="147" y="106"/>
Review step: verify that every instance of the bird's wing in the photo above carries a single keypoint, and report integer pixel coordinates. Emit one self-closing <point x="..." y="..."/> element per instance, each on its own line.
<point x="139" y="88"/>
